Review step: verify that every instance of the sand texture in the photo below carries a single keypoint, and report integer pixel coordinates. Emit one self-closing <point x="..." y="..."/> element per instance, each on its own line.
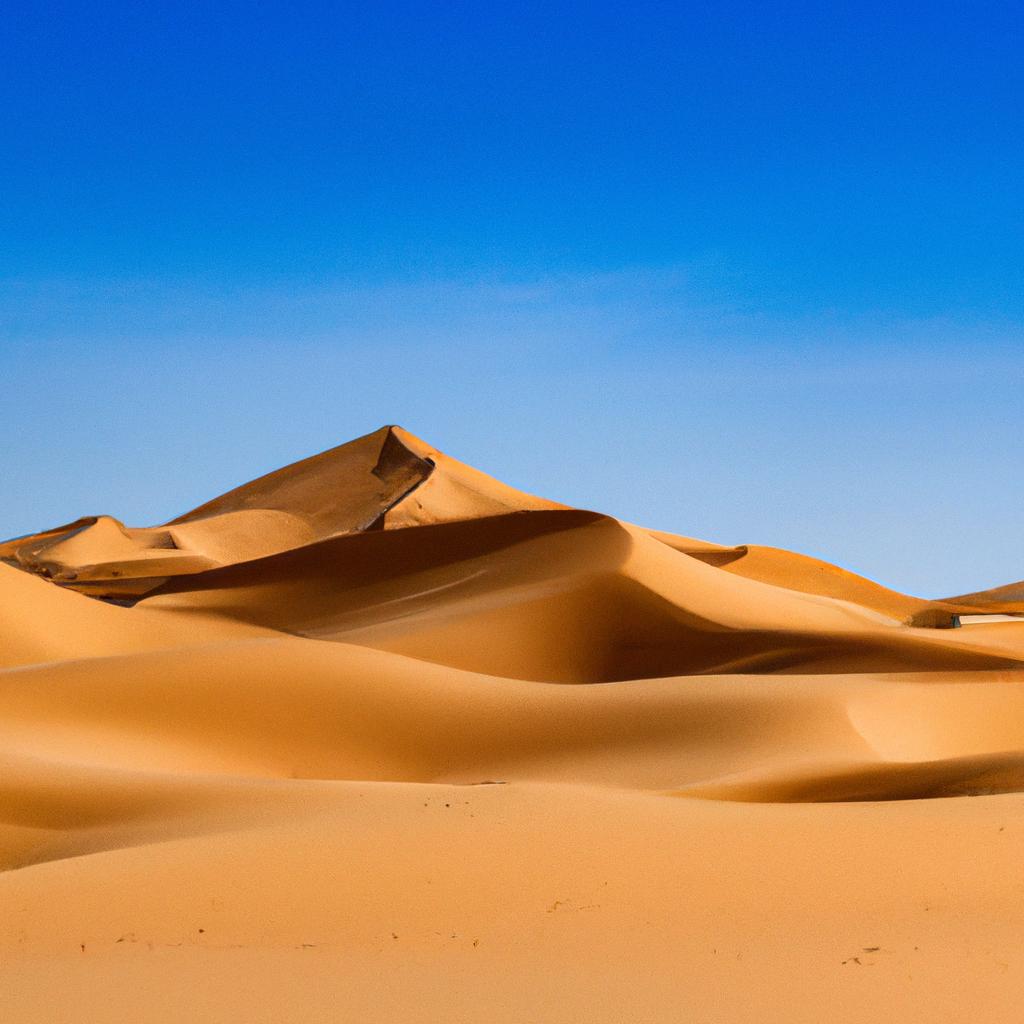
<point x="378" y="738"/>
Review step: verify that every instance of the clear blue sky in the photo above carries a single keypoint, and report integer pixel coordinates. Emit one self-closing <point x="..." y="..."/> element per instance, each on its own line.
<point x="752" y="272"/>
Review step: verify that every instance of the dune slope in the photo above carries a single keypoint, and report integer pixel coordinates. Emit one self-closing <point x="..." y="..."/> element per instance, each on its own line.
<point x="377" y="737"/>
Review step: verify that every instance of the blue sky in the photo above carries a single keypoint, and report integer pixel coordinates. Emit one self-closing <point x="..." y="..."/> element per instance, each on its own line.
<point x="750" y="272"/>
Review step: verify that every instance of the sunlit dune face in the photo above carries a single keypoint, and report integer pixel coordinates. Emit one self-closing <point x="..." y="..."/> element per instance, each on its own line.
<point x="377" y="737"/>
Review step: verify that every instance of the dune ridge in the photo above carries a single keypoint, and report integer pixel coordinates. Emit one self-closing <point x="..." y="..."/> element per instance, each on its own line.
<point x="385" y="480"/>
<point x="378" y="736"/>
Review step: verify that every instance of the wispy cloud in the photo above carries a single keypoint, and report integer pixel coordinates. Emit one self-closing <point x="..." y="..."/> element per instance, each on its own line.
<point x="654" y="311"/>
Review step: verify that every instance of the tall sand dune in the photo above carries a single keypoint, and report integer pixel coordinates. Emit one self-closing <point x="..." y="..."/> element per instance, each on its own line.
<point x="376" y="737"/>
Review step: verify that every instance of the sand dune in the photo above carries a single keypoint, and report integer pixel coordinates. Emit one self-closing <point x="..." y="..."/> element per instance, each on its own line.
<point x="383" y="481"/>
<point x="377" y="737"/>
<point x="1007" y="600"/>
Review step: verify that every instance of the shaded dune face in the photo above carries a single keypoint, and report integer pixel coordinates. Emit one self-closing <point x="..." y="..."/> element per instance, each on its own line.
<point x="385" y="480"/>
<point x="313" y="667"/>
<point x="957" y="776"/>
<point x="559" y="596"/>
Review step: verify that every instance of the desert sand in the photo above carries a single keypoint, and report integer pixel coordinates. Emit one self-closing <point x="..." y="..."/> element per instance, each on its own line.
<point x="379" y="738"/>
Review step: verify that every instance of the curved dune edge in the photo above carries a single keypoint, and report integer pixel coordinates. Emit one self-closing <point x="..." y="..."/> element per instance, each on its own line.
<point x="981" y="775"/>
<point x="1005" y="600"/>
<point x="385" y="480"/>
<point x="377" y="737"/>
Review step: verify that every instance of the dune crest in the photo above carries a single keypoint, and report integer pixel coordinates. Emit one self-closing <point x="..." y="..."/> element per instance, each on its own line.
<point x="382" y="481"/>
<point x="377" y="719"/>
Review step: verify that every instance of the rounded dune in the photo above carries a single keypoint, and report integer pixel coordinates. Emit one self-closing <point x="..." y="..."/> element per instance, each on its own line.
<point x="378" y="737"/>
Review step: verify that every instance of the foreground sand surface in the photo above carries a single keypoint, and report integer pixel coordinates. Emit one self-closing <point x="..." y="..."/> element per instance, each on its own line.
<point x="378" y="738"/>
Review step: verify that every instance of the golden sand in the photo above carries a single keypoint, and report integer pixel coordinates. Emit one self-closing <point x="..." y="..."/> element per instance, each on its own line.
<point x="378" y="738"/>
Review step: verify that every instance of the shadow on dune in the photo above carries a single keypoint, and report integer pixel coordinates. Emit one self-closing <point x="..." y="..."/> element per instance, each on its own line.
<point x="547" y="596"/>
<point x="980" y="775"/>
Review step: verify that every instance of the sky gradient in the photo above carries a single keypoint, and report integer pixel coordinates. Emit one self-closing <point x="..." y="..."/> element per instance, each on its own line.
<point x="743" y="273"/>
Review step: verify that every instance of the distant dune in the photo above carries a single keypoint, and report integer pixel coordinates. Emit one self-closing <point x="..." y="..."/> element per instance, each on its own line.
<point x="377" y="737"/>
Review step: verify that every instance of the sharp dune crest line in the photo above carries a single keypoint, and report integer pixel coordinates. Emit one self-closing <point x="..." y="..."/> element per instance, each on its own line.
<point x="378" y="737"/>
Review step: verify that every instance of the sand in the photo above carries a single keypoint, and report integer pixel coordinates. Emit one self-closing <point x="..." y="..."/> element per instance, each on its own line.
<point x="379" y="738"/>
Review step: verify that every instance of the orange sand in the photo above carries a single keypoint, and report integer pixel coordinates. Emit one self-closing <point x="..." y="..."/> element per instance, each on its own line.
<point x="378" y="738"/>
